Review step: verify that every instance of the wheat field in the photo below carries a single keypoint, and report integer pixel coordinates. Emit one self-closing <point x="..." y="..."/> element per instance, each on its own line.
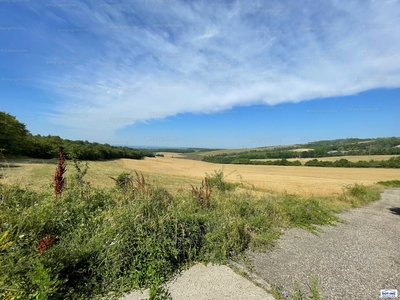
<point x="174" y="172"/>
<point x="297" y="180"/>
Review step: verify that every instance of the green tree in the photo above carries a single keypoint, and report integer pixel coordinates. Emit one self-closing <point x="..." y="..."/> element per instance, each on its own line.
<point x="13" y="134"/>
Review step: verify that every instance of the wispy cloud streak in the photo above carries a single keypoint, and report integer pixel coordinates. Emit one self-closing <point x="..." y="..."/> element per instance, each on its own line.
<point x="137" y="62"/>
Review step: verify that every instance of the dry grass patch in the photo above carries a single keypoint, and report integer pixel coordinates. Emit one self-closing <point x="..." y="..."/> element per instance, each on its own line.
<point x="301" y="150"/>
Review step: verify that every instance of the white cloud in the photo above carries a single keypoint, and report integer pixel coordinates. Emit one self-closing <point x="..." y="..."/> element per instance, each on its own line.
<point x="155" y="60"/>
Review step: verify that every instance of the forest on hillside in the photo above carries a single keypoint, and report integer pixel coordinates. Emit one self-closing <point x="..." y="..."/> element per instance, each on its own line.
<point x="319" y="149"/>
<point x="333" y="148"/>
<point x="17" y="141"/>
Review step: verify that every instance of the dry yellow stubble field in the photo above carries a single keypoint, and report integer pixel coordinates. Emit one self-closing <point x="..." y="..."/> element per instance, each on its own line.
<point x="298" y="180"/>
<point x="174" y="173"/>
<point x="37" y="174"/>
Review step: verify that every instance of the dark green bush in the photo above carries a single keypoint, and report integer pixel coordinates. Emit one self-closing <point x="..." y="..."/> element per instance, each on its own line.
<point x="217" y="180"/>
<point x="124" y="180"/>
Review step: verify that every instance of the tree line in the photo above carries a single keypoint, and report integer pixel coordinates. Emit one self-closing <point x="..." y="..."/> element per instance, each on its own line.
<point x="393" y="162"/>
<point x="16" y="140"/>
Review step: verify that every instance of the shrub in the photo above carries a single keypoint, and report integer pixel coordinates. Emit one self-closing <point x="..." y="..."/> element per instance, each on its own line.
<point x="123" y="181"/>
<point x="217" y="180"/>
<point x="357" y="190"/>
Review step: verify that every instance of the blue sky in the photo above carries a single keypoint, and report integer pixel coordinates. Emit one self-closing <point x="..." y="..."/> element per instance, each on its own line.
<point x="224" y="74"/>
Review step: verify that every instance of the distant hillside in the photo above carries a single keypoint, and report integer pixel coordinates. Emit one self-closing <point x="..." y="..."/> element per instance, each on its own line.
<point x="318" y="149"/>
<point x="338" y="147"/>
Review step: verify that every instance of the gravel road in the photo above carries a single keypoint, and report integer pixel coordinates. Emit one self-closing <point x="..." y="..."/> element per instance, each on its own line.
<point x="353" y="260"/>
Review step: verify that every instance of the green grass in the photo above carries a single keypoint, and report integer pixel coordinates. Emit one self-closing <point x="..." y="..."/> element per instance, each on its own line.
<point x="390" y="183"/>
<point x="298" y="293"/>
<point x="138" y="235"/>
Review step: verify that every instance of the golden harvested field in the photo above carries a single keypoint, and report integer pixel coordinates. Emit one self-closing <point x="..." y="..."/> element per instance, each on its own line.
<point x="299" y="180"/>
<point x="354" y="158"/>
<point x="301" y="150"/>
<point x="38" y="174"/>
<point x="175" y="173"/>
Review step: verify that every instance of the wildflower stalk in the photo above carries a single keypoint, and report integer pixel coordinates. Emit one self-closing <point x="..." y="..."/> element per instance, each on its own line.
<point x="59" y="179"/>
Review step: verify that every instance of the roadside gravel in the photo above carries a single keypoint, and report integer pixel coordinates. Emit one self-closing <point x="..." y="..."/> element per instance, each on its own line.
<point x="211" y="282"/>
<point x="352" y="260"/>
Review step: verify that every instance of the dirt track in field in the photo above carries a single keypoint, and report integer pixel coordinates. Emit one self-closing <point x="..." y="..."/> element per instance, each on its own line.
<point x="298" y="180"/>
